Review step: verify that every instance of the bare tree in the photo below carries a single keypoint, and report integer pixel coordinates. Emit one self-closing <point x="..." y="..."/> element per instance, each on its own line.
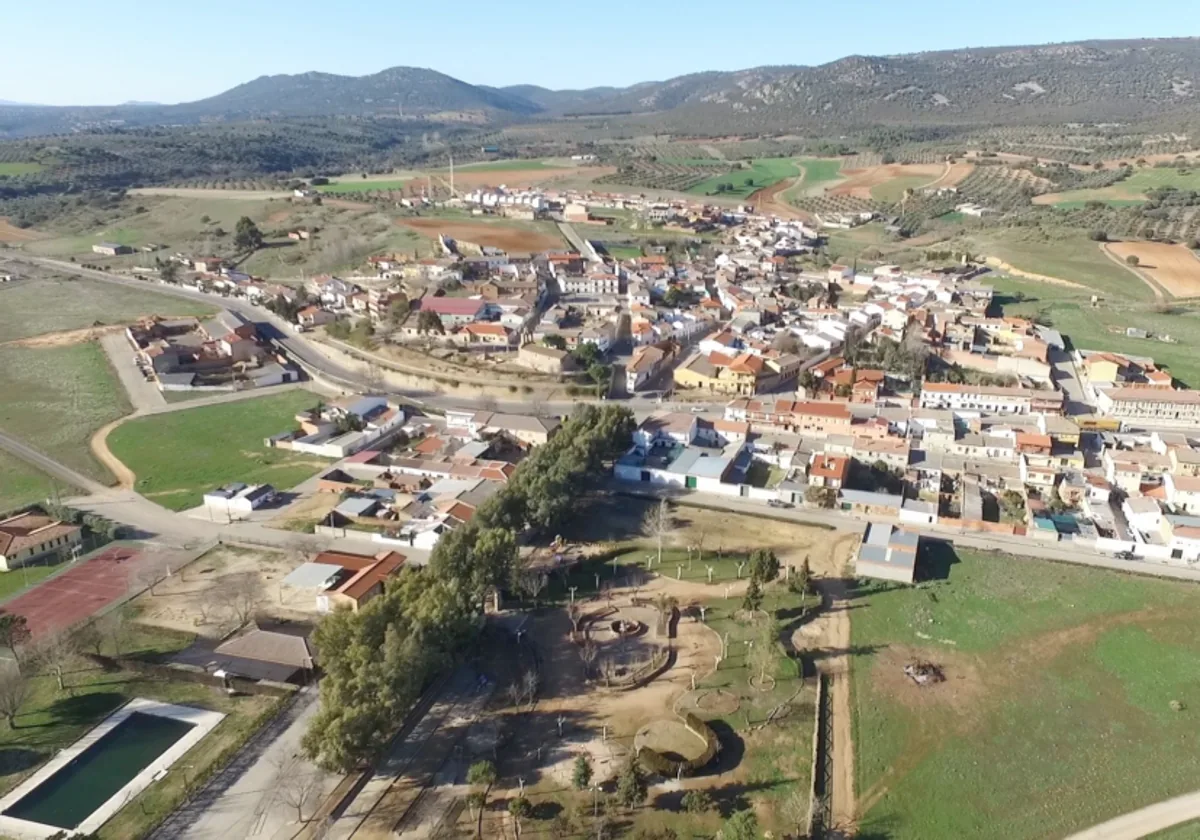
<point x="658" y="525"/>
<point x="90" y="638"/>
<point x="608" y="669"/>
<point x="515" y="693"/>
<point x="296" y="783"/>
<point x="56" y="652"/>
<point x="529" y="686"/>
<point x="13" y="689"/>
<point x="532" y="583"/>
<point x="575" y="613"/>
<point x="115" y="628"/>
<point x="244" y="594"/>
<point x="588" y="653"/>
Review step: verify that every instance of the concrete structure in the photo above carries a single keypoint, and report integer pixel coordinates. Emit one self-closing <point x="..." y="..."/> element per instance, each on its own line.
<point x="237" y="501"/>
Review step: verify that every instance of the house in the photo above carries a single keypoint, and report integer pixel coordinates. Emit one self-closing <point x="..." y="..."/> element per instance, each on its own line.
<point x="111" y="249"/>
<point x="275" y="655"/>
<point x="647" y="362"/>
<point x="494" y="335"/>
<point x="659" y="429"/>
<point x="868" y="503"/>
<point x="343" y="427"/>
<point x="474" y="425"/>
<point x="343" y="580"/>
<point x="989" y="399"/>
<point x="29" y="536"/>
<point x="453" y="312"/>
<point x="592" y="283"/>
<point x="237" y="500"/>
<point x="314" y="316"/>
<point x="828" y="471"/>
<point x="1150" y="405"/>
<point x="208" y="265"/>
<point x="916" y="512"/>
<point x="888" y="553"/>
<point x="544" y="359"/>
<point x="337" y="481"/>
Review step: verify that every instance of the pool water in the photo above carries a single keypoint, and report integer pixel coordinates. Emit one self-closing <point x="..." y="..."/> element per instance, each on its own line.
<point x="70" y="796"/>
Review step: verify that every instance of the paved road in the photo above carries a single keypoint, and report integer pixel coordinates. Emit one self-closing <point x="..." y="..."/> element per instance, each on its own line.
<point x="1147" y="821"/>
<point x="48" y="465"/>
<point x="1017" y="546"/>
<point x="143" y="394"/>
<point x="256" y="795"/>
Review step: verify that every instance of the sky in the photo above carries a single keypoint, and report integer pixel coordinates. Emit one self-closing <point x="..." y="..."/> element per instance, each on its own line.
<point x="78" y="52"/>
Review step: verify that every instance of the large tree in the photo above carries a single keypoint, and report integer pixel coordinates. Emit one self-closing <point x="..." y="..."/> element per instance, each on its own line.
<point x="247" y="236"/>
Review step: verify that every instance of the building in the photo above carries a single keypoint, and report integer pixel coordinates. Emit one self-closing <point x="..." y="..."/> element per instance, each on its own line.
<point x="29" y="536"/>
<point x="593" y="283"/>
<point x="343" y="580"/>
<point x="237" y="501"/>
<point x="111" y="249"/>
<point x="544" y="359"/>
<point x="453" y="312"/>
<point x="647" y="362"/>
<point x="989" y="399"/>
<point x="888" y="553"/>
<point x="1150" y="405"/>
<point x="474" y="425"/>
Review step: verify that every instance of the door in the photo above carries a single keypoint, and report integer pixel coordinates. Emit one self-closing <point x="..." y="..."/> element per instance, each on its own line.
<point x="690" y="482"/>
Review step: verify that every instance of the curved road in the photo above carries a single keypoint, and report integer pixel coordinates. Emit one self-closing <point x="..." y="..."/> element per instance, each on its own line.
<point x="1146" y="821"/>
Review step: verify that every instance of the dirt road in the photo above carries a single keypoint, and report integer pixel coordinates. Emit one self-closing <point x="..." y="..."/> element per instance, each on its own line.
<point x="1159" y="297"/>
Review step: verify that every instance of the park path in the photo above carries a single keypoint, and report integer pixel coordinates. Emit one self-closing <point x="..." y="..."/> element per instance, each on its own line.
<point x="1146" y="821"/>
<point x="1159" y="297"/>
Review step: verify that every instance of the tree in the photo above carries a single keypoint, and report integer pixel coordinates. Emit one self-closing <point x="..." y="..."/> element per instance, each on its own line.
<point x="697" y="802"/>
<point x="658" y="525"/>
<point x="398" y="309"/>
<point x="247" y="236"/>
<point x="14" y="634"/>
<point x="531" y="583"/>
<point x="519" y="808"/>
<point x="555" y="341"/>
<point x="295" y="784"/>
<point x="55" y="652"/>
<point x="242" y="595"/>
<point x="588" y="653"/>
<point x="600" y="374"/>
<point x="1133" y="260"/>
<point x="763" y="653"/>
<point x="586" y="355"/>
<point x="754" y="597"/>
<point x="429" y="322"/>
<point x="631" y="785"/>
<point x="168" y="272"/>
<point x="581" y="773"/>
<point x="742" y="825"/>
<point x="1098" y="236"/>
<point x="764" y="565"/>
<point x="13" y="689"/>
<point x="115" y="629"/>
<point x="481" y="775"/>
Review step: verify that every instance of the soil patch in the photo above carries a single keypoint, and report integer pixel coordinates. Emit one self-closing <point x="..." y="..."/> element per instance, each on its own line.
<point x="962" y="690"/>
<point x="496" y="235"/>
<point x="859" y="182"/>
<point x="65" y="338"/>
<point x="1001" y="265"/>
<point x="11" y="233"/>
<point x="1174" y="267"/>
<point x="768" y="200"/>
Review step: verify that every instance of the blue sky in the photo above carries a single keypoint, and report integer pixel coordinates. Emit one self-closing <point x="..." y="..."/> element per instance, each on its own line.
<point x="60" y="52"/>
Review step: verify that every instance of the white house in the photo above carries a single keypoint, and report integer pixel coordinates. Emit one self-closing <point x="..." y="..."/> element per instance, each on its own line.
<point x="236" y="501"/>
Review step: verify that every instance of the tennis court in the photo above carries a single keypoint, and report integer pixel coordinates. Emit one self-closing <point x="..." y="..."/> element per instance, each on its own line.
<point x="79" y="593"/>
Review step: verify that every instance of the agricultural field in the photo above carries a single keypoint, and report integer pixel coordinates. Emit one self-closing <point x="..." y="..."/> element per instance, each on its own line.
<point x="21" y="484"/>
<point x="1070" y="312"/>
<point x="520" y="237"/>
<point x="1131" y="190"/>
<point x="51" y="305"/>
<point x="1174" y="267"/>
<point x="15" y="168"/>
<point x="1064" y="702"/>
<point x="177" y="457"/>
<point x="517" y="165"/>
<point x="815" y="175"/>
<point x="55" y="398"/>
<point x="742" y="183"/>
<point x="351" y="185"/>
<point x="662" y="175"/>
<point x="875" y="181"/>
<point x="1069" y="256"/>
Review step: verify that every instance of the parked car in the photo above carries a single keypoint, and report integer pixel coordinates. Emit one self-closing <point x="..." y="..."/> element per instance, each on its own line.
<point x="778" y="503"/>
<point x="1125" y="555"/>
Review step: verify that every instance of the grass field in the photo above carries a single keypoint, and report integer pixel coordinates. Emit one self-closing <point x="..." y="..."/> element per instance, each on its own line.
<point x="19" y="168"/>
<point x="21" y="484"/>
<point x="1071" y="313"/>
<point x="1075" y="258"/>
<point x="55" y="398"/>
<point x="50" y="720"/>
<point x="815" y="173"/>
<point x="503" y="166"/>
<point x="44" y="306"/>
<point x="1056" y="711"/>
<point x="762" y="173"/>
<point x="1130" y="191"/>
<point x="178" y="457"/>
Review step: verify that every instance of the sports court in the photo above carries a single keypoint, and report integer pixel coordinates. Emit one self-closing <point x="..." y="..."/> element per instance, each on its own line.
<point x="74" y="595"/>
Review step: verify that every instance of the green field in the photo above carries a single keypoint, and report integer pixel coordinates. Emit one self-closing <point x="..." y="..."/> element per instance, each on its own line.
<point x="1133" y="189"/>
<point x="21" y="484"/>
<point x="19" y="168"/>
<point x="1056" y="712"/>
<point x="762" y="173"/>
<point x="892" y="192"/>
<point x="350" y="185"/>
<point x="1102" y="328"/>
<point x="504" y="166"/>
<point x="1071" y="257"/>
<point x="178" y="457"/>
<point x="45" y="306"/>
<point x="55" y="398"/>
<point x="50" y="720"/>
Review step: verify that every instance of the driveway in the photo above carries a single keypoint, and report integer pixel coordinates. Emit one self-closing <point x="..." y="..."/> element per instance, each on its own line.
<point x="144" y="395"/>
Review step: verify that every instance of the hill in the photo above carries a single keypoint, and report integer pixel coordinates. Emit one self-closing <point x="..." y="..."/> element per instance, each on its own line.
<point x="1089" y="81"/>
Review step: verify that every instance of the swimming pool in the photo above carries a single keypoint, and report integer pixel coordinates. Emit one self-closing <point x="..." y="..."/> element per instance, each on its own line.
<point x="91" y="780"/>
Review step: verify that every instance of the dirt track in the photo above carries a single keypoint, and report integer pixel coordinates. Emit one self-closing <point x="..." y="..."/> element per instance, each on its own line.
<point x="99" y="446"/>
<point x="768" y="200"/>
<point x="1173" y="267"/>
<point x="1001" y="265"/>
<point x="65" y="338"/>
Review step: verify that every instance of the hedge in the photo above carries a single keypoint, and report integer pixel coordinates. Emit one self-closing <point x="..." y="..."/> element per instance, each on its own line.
<point x="657" y="763"/>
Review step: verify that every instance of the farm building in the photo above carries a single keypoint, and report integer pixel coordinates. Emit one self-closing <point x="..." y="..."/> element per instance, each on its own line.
<point x="888" y="553"/>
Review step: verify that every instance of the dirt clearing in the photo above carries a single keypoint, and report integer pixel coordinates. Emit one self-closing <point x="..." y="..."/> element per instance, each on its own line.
<point x="65" y="338"/>
<point x="1174" y="267"/>
<point x="203" y="596"/>
<point x="860" y="182"/>
<point x="497" y="235"/>
<point x="11" y="233"/>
